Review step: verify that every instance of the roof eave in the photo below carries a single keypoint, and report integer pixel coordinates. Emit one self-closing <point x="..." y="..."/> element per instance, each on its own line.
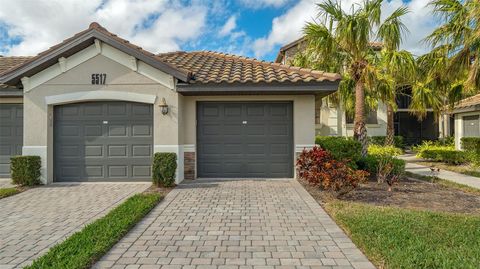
<point x="314" y="87"/>
<point x="13" y="76"/>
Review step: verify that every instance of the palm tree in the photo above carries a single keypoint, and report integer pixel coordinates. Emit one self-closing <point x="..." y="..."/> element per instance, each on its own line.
<point x="451" y="70"/>
<point x="344" y="38"/>
<point x="397" y="68"/>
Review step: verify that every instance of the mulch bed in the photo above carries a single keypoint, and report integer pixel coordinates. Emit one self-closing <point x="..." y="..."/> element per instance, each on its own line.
<point x="156" y="189"/>
<point x="407" y="193"/>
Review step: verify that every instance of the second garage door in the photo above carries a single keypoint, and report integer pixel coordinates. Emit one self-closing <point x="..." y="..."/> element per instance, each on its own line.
<point x="245" y="140"/>
<point x="103" y="141"/>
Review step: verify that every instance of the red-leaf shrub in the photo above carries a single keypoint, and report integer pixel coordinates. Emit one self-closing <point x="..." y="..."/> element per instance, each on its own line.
<point x="318" y="167"/>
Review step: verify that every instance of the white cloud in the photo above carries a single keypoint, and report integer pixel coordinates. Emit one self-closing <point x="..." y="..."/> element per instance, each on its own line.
<point x="289" y="25"/>
<point x="229" y="26"/>
<point x="256" y="4"/>
<point x="43" y="23"/>
<point x="286" y="27"/>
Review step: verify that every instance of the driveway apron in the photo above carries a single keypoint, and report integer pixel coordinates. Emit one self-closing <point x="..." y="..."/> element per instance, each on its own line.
<point x="35" y="220"/>
<point x="236" y="224"/>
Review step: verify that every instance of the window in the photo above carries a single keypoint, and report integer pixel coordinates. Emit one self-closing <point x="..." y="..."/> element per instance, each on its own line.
<point x="370" y="119"/>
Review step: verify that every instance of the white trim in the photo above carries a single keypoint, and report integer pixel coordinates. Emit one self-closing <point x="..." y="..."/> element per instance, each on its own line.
<point x="99" y="95"/>
<point x="301" y="147"/>
<point x="189" y="148"/>
<point x="98" y="48"/>
<point x="38" y="151"/>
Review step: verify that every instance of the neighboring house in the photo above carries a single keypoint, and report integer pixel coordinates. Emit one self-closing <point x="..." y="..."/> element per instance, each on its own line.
<point x="332" y="120"/>
<point x="96" y="108"/>
<point x="467" y="119"/>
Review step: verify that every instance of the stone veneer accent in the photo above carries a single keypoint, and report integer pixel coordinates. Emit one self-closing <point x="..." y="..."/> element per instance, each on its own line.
<point x="189" y="165"/>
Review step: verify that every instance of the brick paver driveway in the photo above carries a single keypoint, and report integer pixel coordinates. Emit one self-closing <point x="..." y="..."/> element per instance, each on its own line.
<point x="236" y="224"/>
<point x="33" y="221"/>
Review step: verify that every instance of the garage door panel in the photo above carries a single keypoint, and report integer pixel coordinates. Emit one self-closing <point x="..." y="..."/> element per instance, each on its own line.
<point x="117" y="130"/>
<point x="95" y="151"/>
<point x="242" y="144"/>
<point x="141" y="130"/>
<point x="93" y="109"/>
<point x="93" y="130"/>
<point x="117" y="151"/>
<point x="233" y="112"/>
<point x="117" y="109"/>
<point x="142" y="171"/>
<point x="141" y="150"/>
<point x="11" y="135"/>
<point x="116" y="144"/>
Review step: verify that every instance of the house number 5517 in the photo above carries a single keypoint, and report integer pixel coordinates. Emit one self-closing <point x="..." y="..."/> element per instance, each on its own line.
<point x="99" y="79"/>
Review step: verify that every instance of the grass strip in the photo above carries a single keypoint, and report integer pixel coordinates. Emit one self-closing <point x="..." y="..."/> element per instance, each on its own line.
<point x="5" y="192"/>
<point x="84" y="248"/>
<point x="444" y="182"/>
<point x="403" y="238"/>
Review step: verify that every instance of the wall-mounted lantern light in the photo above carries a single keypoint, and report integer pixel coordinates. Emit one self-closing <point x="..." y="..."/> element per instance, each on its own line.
<point x="163" y="105"/>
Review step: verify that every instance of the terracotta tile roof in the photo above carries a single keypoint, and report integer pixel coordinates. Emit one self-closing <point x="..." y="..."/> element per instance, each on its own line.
<point x="214" y="67"/>
<point x="192" y="67"/>
<point x="7" y="63"/>
<point x="468" y="102"/>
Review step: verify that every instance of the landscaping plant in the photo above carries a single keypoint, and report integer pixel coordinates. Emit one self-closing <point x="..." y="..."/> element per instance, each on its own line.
<point x="164" y="166"/>
<point x="319" y="168"/>
<point x="25" y="170"/>
<point x="341" y="148"/>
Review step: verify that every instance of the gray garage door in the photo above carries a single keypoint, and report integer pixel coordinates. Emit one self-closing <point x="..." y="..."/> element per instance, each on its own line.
<point x="471" y="126"/>
<point x="103" y="141"/>
<point x="245" y="139"/>
<point x="11" y="135"/>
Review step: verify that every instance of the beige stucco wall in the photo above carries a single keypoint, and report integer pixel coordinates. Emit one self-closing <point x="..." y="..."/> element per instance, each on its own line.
<point x="303" y="115"/>
<point x="38" y="116"/>
<point x="333" y="122"/>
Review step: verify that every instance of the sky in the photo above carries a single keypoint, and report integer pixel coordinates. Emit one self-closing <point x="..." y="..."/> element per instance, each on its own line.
<point x="253" y="28"/>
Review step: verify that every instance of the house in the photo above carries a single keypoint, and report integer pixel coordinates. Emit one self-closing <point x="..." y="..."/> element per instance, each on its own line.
<point x="467" y="119"/>
<point x="96" y="108"/>
<point x="330" y="119"/>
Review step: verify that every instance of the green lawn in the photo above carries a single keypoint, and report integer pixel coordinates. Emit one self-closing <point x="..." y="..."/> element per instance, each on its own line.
<point x="84" y="248"/>
<point x="5" y="192"/>
<point x="402" y="238"/>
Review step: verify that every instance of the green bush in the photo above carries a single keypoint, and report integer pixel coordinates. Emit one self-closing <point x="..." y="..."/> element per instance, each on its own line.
<point x="25" y="170"/>
<point x="450" y="156"/>
<point x="163" y="168"/>
<point x="342" y="148"/>
<point x="380" y="140"/>
<point x="370" y="164"/>
<point x="384" y="150"/>
<point x="471" y="144"/>
<point x="446" y="141"/>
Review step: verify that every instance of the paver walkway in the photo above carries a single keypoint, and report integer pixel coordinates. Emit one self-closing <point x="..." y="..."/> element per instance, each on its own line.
<point x="423" y="170"/>
<point x="33" y="221"/>
<point x="236" y="224"/>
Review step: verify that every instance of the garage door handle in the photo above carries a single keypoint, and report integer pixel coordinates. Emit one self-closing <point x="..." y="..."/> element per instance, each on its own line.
<point x="244" y="122"/>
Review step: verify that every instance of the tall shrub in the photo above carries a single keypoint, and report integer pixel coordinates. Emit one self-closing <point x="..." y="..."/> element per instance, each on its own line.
<point x="25" y="170"/>
<point x="163" y="168"/>
<point x="341" y="148"/>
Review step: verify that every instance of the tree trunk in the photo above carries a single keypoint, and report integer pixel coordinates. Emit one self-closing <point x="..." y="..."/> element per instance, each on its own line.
<point x="359" y="129"/>
<point x="389" y="139"/>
